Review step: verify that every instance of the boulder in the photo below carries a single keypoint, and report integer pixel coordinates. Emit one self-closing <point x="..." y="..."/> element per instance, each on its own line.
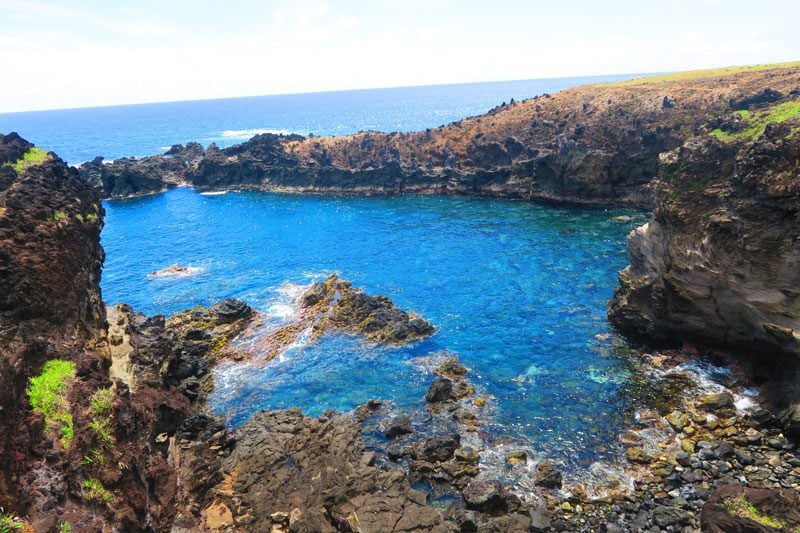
<point x="441" y="390"/>
<point x="485" y="495"/>
<point x="715" y="401"/>
<point x="438" y="448"/>
<point x="397" y="426"/>
<point x="547" y="476"/>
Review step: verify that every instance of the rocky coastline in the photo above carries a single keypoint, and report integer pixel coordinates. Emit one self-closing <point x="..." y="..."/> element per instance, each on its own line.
<point x="139" y="450"/>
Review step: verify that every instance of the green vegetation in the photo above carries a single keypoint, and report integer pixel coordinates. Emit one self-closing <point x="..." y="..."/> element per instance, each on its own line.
<point x="65" y="527"/>
<point x="9" y="522"/>
<point x="100" y="410"/>
<point x="34" y="156"/>
<point x="739" y="506"/>
<point x="90" y="217"/>
<point x="699" y="74"/>
<point x="95" y="492"/>
<point x="95" y="457"/>
<point x="59" y="215"/>
<point x="47" y="394"/>
<point x="756" y="122"/>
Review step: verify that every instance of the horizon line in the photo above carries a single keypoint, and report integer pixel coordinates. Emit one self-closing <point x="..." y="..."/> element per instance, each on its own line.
<point x="327" y="91"/>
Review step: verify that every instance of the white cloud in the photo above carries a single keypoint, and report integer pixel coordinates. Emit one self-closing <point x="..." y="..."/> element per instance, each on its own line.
<point x="64" y="56"/>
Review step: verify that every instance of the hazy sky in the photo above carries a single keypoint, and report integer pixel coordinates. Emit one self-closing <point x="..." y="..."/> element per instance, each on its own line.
<point x="77" y="53"/>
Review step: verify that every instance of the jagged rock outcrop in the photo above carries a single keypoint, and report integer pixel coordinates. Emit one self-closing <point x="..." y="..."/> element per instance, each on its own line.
<point x="129" y="177"/>
<point x="334" y="304"/>
<point x="720" y="260"/>
<point x="590" y="144"/>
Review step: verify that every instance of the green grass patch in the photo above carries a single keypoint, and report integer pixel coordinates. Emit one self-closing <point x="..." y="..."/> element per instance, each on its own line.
<point x="47" y="394"/>
<point x="34" y="156"/>
<point x="740" y="506"/>
<point x="95" y="492"/>
<point x="64" y="527"/>
<point x="58" y="215"/>
<point x="698" y="74"/>
<point x="100" y="407"/>
<point x="9" y="522"/>
<point x="756" y="122"/>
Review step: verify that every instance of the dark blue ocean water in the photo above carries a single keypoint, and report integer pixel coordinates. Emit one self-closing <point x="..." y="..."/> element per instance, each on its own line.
<point x="78" y="135"/>
<point x="517" y="290"/>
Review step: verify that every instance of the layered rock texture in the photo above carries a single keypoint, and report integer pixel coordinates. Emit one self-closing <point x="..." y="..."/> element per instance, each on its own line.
<point x="50" y="304"/>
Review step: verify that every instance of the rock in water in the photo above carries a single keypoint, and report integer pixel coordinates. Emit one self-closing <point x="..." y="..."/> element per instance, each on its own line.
<point x="441" y="390"/>
<point x="547" y="476"/>
<point x="397" y="426"/>
<point x="175" y="271"/>
<point x="230" y="310"/>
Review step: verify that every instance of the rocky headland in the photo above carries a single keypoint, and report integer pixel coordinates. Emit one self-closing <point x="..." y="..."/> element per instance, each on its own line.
<point x="104" y="423"/>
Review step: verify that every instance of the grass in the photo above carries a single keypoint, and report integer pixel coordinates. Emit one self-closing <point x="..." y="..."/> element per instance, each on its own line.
<point x="756" y="122"/>
<point x="34" y="156"/>
<point x="47" y="394"/>
<point x="699" y="74"/>
<point x="64" y="527"/>
<point x="100" y="410"/>
<point x="59" y="215"/>
<point x="9" y="522"/>
<point x="95" y="492"/>
<point x="740" y="506"/>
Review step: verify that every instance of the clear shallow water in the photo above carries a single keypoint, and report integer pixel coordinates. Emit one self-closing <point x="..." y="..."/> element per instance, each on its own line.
<point x="78" y="135"/>
<point x="517" y="290"/>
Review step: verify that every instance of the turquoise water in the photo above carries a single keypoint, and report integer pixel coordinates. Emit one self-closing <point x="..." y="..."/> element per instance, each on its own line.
<point x="78" y="135"/>
<point x="517" y="290"/>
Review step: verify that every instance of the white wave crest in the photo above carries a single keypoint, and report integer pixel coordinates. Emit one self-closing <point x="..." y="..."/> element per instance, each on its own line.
<point x="243" y="135"/>
<point x="176" y="271"/>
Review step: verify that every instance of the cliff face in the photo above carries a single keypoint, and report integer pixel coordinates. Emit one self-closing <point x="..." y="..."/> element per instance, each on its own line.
<point x="590" y="144"/>
<point x="50" y="261"/>
<point x="720" y="261"/>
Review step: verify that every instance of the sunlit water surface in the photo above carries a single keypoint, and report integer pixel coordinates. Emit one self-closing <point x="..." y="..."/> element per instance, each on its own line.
<point x="518" y="291"/>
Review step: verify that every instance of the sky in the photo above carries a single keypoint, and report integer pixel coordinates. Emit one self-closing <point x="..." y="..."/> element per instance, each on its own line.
<point x="81" y="53"/>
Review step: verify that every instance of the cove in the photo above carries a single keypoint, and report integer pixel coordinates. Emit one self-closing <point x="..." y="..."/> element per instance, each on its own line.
<point x="517" y="290"/>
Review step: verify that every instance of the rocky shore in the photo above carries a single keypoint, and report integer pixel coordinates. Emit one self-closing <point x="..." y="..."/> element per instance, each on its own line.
<point x="104" y="423"/>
